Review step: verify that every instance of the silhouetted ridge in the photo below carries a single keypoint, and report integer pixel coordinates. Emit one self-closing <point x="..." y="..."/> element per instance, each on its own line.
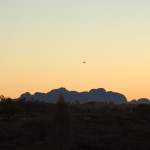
<point x="98" y="95"/>
<point x="99" y="90"/>
<point x="26" y="95"/>
<point x="140" y="101"/>
<point x="60" y="90"/>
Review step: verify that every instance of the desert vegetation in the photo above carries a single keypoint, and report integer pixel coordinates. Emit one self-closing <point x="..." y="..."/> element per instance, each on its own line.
<point x="26" y="125"/>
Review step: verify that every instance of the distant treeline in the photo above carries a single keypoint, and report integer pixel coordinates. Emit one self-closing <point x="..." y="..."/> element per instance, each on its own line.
<point x="26" y="125"/>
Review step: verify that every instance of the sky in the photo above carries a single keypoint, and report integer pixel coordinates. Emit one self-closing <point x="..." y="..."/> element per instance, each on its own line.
<point x="43" y="44"/>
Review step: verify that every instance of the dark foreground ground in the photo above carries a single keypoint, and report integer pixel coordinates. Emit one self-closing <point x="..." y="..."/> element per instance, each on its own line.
<point x="63" y="126"/>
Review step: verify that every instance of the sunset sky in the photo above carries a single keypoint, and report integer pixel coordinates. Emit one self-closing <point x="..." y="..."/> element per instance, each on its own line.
<point x="43" y="44"/>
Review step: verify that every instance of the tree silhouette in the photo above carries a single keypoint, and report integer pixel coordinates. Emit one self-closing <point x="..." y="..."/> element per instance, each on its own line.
<point x="2" y="98"/>
<point x="143" y="109"/>
<point x="62" y="122"/>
